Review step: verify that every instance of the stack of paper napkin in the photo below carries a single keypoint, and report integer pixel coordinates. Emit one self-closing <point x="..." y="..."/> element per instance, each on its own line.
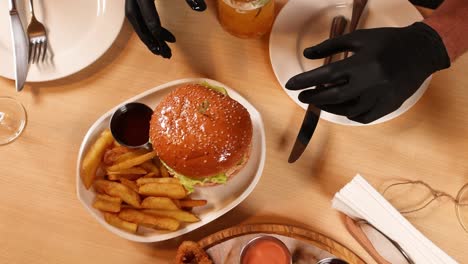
<point x="359" y="200"/>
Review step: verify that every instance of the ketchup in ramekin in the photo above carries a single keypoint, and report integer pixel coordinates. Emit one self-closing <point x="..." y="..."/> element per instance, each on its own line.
<point x="265" y="250"/>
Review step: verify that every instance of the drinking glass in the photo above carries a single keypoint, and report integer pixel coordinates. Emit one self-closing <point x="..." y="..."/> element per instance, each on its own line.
<point x="12" y="119"/>
<point x="246" y="18"/>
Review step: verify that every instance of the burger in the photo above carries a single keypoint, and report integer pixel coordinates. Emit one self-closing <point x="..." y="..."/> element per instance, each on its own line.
<point x="201" y="135"/>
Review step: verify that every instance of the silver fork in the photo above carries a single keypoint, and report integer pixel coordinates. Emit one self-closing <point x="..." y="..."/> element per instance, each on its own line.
<point x="37" y="38"/>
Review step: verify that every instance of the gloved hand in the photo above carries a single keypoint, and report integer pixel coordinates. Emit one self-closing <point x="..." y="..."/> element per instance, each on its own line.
<point x="144" y="18"/>
<point x="388" y="66"/>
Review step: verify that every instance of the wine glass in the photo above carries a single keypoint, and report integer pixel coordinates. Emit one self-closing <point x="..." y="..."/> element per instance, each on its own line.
<point x="12" y="119"/>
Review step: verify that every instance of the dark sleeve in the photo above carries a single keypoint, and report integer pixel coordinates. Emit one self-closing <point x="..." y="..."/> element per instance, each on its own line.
<point x="432" y="4"/>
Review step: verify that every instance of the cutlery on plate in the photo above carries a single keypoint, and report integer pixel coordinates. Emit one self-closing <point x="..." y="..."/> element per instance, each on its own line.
<point x="312" y="115"/>
<point x="37" y="38"/>
<point x="20" y="47"/>
<point x="358" y="8"/>
<point x="197" y="5"/>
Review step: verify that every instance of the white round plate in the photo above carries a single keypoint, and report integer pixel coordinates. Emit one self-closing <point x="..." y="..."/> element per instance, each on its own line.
<point x="221" y="198"/>
<point x="79" y="32"/>
<point x="304" y="23"/>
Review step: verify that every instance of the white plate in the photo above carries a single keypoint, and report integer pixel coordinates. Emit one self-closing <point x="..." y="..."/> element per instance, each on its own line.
<point x="221" y="198"/>
<point x="304" y="23"/>
<point x="79" y="32"/>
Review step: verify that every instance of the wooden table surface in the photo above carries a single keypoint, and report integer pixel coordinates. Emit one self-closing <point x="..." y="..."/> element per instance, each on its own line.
<point x="41" y="220"/>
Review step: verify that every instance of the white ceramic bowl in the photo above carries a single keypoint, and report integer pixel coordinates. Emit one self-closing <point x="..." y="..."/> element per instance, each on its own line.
<point x="221" y="198"/>
<point x="303" y="23"/>
<point x="78" y="32"/>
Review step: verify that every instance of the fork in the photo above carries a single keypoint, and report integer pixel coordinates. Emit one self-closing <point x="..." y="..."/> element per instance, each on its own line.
<point x="37" y="38"/>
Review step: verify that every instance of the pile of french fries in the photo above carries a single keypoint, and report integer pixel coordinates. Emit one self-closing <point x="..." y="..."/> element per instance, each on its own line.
<point x="133" y="188"/>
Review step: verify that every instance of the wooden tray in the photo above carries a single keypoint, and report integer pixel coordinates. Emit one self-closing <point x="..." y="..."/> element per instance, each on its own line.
<point x="304" y="235"/>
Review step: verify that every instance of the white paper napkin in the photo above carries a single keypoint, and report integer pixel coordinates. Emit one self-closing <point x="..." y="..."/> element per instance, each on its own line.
<point x="359" y="200"/>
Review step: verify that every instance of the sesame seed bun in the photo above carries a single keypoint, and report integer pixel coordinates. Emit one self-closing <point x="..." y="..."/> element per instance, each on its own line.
<point x="199" y="132"/>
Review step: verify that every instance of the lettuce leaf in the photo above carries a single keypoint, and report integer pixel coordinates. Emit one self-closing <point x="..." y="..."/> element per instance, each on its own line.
<point x="218" y="89"/>
<point x="189" y="183"/>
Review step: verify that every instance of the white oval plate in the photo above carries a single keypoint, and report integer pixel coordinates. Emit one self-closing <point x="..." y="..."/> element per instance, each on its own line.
<point x="79" y="32"/>
<point x="221" y="198"/>
<point x="304" y="23"/>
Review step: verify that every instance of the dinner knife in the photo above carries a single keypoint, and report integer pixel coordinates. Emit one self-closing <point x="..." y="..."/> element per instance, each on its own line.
<point x="312" y="115"/>
<point x="358" y="8"/>
<point x="20" y="47"/>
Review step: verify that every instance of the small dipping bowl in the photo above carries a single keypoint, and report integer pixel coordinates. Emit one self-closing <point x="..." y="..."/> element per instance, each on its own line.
<point x="332" y="261"/>
<point x="265" y="250"/>
<point x="130" y="125"/>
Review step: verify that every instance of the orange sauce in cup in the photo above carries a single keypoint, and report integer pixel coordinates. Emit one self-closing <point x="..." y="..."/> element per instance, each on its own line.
<point x="265" y="250"/>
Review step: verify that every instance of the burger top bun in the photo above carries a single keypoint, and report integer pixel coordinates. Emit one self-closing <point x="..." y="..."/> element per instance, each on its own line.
<point x="199" y="132"/>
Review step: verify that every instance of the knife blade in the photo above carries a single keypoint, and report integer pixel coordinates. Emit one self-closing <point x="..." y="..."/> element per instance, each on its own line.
<point x="312" y="115"/>
<point x="358" y="9"/>
<point x="20" y="47"/>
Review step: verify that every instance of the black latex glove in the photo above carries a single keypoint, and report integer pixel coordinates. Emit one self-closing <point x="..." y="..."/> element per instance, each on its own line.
<point x="433" y="4"/>
<point x="388" y="66"/>
<point x="144" y="18"/>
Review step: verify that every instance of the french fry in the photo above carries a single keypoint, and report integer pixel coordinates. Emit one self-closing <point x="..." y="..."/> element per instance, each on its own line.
<point x="142" y="181"/>
<point x="117" y="177"/>
<point x="93" y="158"/>
<point x="163" y="170"/>
<point x="105" y="205"/>
<point x="129" y="183"/>
<point x="157" y="222"/>
<point x="130" y="155"/>
<point x="111" y="155"/>
<point x="189" y="203"/>
<point x="126" y="206"/>
<point x="120" y="174"/>
<point x="150" y="167"/>
<point x="114" y="177"/>
<point x="180" y="215"/>
<point x="114" y="220"/>
<point x="132" y="162"/>
<point x="171" y="190"/>
<point x="134" y="170"/>
<point x="149" y="175"/>
<point x="108" y="198"/>
<point x="118" y="190"/>
<point x="177" y="203"/>
<point x="159" y="203"/>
